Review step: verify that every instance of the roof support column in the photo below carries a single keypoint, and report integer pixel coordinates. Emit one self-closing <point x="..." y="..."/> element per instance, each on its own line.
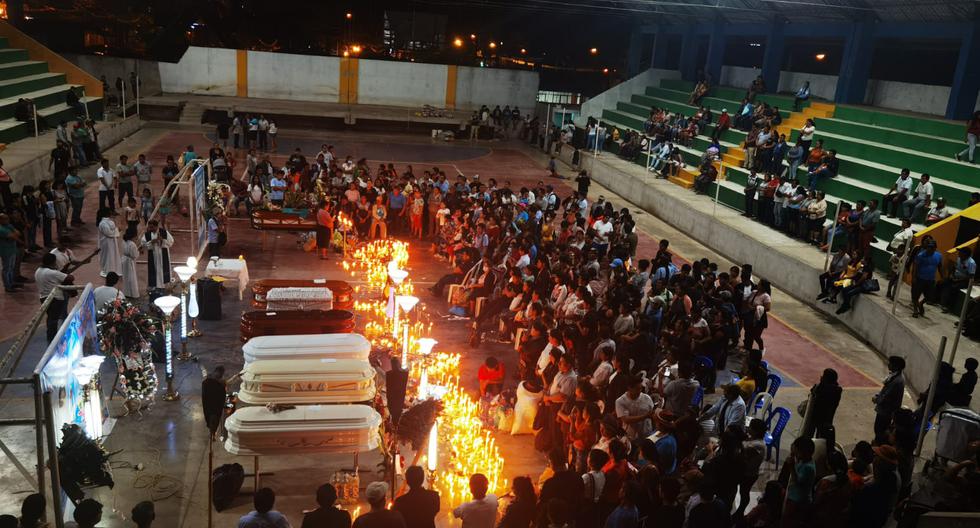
<point x="966" y="79"/>
<point x="772" y="58"/>
<point x="635" y="52"/>
<point x="716" y="52"/>
<point x="855" y="68"/>
<point x="689" y="54"/>
<point x="658" y="57"/>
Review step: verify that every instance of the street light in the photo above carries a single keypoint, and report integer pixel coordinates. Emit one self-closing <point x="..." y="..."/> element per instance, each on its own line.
<point x="184" y="273"/>
<point x="523" y="51"/>
<point x="493" y="45"/>
<point x="355" y="49"/>
<point x="594" y="51"/>
<point x="349" y="15"/>
<point x="458" y="42"/>
<point x="167" y="304"/>
<point x="425" y="348"/>
<point x="192" y="307"/>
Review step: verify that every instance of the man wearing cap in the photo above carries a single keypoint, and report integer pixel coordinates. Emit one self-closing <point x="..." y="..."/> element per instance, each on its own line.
<point x="379" y="516"/>
<point x="667" y="444"/>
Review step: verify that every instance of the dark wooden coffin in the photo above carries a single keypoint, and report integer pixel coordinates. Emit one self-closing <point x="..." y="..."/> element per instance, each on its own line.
<point x="296" y="322"/>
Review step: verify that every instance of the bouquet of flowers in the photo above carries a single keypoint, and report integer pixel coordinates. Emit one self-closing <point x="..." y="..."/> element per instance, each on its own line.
<point x="125" y="332"/>
<point x="218" y="196"/>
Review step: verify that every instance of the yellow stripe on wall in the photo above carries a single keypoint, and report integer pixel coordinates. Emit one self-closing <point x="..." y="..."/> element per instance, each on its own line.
<point x="451" y="72"/>
<point x="348" y="80"/>
<point x="241" y="59"/>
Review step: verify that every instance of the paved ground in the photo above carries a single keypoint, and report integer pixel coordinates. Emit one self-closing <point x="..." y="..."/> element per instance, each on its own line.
<point x="169" y="440"/>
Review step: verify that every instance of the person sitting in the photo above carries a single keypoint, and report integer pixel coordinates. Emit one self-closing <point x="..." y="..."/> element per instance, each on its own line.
<point x="937" y="213"/>
<point x="700" y="90"/>
<point x="491" y="376"/>
<point x="863" y="282"/>
<point x="962" y="391"/>
<point x="419" y="506"/>
<point x="379" y="516"/>
<point x="708" y="174"/>
<point x="263" y="516"/>
<point x="327" y="514"/>
<point x="956" y="278"/>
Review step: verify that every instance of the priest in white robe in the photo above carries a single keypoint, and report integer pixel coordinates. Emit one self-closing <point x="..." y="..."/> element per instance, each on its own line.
<point x="108" y="244"/>
<point x="130" y="252"/>
<point x="157" y="242"/>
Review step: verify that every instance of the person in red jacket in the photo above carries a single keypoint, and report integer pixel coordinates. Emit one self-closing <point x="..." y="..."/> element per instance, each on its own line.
<point x="491" y="376"/>
<point x="724" y="123"/>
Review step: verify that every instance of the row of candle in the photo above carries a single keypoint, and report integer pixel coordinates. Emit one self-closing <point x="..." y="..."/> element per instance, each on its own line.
<point x="459" y="435"/>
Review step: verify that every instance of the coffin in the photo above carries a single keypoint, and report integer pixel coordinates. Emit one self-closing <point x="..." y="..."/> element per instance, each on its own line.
<point x="299" y="298"/>
<point x="277" y="221"/>
<point x="311" y="346"/>
<point x="294" y="322"/>
<point x="343" y="294"/>
<point x="307" y="381"/>
<point x="305" y="429"/>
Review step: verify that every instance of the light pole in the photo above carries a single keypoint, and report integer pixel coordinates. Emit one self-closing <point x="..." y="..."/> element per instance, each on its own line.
<point x="397" y="277"/>
<point x="425" y="348"/>
<point x="167" y="304"/>
<point x="184" y="273"/>
<point x="406" y="302"/>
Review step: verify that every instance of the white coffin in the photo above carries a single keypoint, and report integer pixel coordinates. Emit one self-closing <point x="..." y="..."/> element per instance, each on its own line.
<point x="312" y="346"/>
<point x="299" y="298"/>
<point x="307" y="381"/>
<point x="306" y="429"/>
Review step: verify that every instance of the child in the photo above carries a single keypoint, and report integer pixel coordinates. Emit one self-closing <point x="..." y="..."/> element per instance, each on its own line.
<point x="491" y="376"/>
<point x="146" y="203"/>
<point x="415" y="210"/>
<point x="799" y="493"/>
<point x="132" y="214"/>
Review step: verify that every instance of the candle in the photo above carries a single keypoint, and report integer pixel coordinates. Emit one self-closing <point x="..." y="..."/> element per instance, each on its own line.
<point x="433" y="446"/>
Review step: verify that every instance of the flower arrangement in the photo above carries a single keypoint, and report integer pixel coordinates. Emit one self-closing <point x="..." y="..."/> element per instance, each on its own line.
<point x="126" y="332"/>
<point x="217" y="196"/>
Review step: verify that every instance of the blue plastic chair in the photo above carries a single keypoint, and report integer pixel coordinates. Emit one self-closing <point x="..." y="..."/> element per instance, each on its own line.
<point x="775" y="433"/>
<point x="774" y="382"/>
<point x="703" y="362"/>
<point x="698" y="397"/>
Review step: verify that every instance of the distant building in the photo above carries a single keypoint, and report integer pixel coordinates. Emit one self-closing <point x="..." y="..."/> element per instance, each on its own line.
<point x="408" y="32"/>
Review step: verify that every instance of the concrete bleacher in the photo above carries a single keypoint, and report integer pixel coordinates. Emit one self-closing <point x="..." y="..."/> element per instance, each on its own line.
<point x="872" y="146"/>
<point x="21" y="77"/>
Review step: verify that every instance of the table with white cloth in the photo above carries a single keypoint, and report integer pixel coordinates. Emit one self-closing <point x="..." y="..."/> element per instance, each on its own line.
<point x="230" y="269"/>
<point x="299" y="298"/>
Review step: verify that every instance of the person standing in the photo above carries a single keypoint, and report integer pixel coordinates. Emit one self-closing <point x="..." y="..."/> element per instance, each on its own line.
<point x="108" y="243"/>
<point x="107" y="186"/>
<point x="957" y="278"/>
<point x="972" y="132"/>
<point x="236" y="131"/>
<point x="157" y="242"/>
<point x="5" y="182"/>
<point x="379" y="215"/>
<point x="127" y="265"/>
<point x="481" y="512"/>
<point x="144" y="172"/>
<point x="583" y="181"/>
<point x="48" y="278"/>
<point x="125" y="173"/>
<point x="324" y="229"/>
<point x="75" y="186"/>
<point x="214" y="393"/>
<point x="419" y="506"/>
<point x="326" y="516"/>
<point x="889" y="398"/>
<point x="822" y="406"/>
<point x="215" y="230"/>
<point x="926" y="264"/>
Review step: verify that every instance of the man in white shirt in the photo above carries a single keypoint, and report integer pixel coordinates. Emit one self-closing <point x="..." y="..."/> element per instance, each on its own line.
<point x="481" y="512"/>
<point x="603" y="228"/>
<point x="554" y="341"/>
<point x="903" y="236"/>
<point x="107" y="186"/>
<point x="635" y="410"/>
<point x="600" y="377"/>
<point x="921" y="198"/>
<point x="897" y="195"/>
<point x="144" y="172"/>
<point x="63" y="256"/>
<point x="783" y="194"/>
<point x="48" y="278"/>
<point x="108" y="292"/>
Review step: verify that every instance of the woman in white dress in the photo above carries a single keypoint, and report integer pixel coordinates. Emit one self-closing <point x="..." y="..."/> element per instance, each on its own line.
<point x="108" y="243"/>
<point x="130" y="252"/>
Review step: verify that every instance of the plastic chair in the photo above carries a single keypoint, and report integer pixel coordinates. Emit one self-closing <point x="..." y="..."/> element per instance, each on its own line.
<point x="760" y="407"/>
<point x="774" y="382"/>
<point x="773" y="435"/>
<point x="698" y="397"/>
<point x="703" y="362"/>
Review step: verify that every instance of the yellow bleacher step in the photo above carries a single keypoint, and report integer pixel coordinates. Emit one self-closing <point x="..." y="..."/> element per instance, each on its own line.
<point x="829" y="107"/>
<point x="732" y="160"/>
<point x="678" y="181"/>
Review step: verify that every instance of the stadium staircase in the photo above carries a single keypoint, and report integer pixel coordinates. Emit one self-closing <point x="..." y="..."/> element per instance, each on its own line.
<point x="35" y="72"/>
<point x="872" y="145"/>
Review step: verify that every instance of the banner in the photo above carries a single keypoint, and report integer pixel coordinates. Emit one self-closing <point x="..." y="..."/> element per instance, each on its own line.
<point x="200" y="176"/>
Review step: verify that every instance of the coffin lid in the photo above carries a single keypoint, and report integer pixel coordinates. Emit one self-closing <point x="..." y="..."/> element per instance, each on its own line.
<point x="306" y="417"/>
<point x="349" y="346"/>
<point x="352" y="369"/>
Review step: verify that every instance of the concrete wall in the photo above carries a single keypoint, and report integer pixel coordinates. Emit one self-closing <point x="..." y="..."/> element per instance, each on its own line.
<point x="316" y="78"/>
<point x="36" y="169"/>
<point x="294" y="77"/>
<point x="493" y="86"/>
<point x="401" y="83"/>
<point x="210" y="71"/>
<point x="920" y="98"/>
<point x="113" y="67"/>
<point x="623" y="91"/>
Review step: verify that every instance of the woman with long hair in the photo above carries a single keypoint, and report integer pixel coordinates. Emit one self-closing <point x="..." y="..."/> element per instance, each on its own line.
<point x="755" y="319"/>
<point x="520" y="512"/>
<point x="821" y="407"/>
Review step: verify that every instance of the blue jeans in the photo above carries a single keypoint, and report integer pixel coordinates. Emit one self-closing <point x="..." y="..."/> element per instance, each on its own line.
<point x="816" y="176"/>
<point x="79" y="153"/>
<point x="912" y="207"/>
<point x="9" y="269"/>
<point x="76" y="208"/>
<point x="777" y="214"/>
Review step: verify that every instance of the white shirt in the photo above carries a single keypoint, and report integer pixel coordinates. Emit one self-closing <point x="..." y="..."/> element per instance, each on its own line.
<point x="523" y="262"/>
<point x="104" y="294"/>
<point x="903" y="185"/>
<point x="806" y="133"/>
<point x="476" y="513"/>
<point x="602" y="229"/>
<point x="107" y="175"/>
<point x="601" y="374"/>
<point x="564" y="383"/>
<point x="48" y="279"/>
<point x="546" y="356"/>
<point x="643" y="404"/>
<point x="787" y="190"/>
<point x="62" y="259"/>
<point x="902" y="237"/>
<point x="923" y="191"/>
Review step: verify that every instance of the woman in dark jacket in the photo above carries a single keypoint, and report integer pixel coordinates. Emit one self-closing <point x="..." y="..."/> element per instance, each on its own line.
<point x="823" y="402"/>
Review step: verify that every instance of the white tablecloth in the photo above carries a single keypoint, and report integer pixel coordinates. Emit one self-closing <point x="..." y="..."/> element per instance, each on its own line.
<point x="299" y="298"/>
<point x="231" y="269"/>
